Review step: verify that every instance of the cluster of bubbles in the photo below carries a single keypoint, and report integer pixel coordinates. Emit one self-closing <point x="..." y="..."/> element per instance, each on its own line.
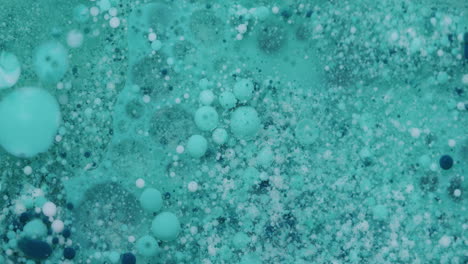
<point x="233" y="132"/>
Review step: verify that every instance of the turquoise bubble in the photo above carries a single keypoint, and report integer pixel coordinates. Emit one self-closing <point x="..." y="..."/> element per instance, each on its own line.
<point x="51" y="62"/>
<point x="151" y="200"/>
<point x="245" y="122"/>
<point x="35" y="229"/>
<point x="265" y="157"/>
<point x="306" y="132"/>
<point x="80" y="13"/>
<point x="206" y="118"/>
<point x="30" y="118"/>
<point x="220" y="136"/>
<point x="166" y="226"/>
<point x="240" y="240"/>
<point x="10" y="69"/>
<point x="197" y="146"/>
<point x="250" y="175"/>
<point x="147" y="246"/>
<point x="227" y="100"/>
<point x="243" y="89"/>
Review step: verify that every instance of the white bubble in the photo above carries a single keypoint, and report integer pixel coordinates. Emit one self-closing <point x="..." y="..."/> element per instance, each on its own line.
<point x="10" y="70"/>
<point x="27" y="170"/>
<point x="192" y="186"/>
<point x="75" y="38"/>
<point x="140" y="183"/>
<point x="180" y="149"/>
<point x="57" y="226"/>
<point x="445" y="241"/>
<point x="49" y="209"/>
<point x="114" y="22"/>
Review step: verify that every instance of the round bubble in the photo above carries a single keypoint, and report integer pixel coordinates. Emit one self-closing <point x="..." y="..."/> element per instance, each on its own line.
<point x="166" y="226"/>
<point x="271" y="37"/>
<point x="151" y="200"/>
<point x="220" y="136"/>
<point x="227" y="100"/>
<point x="51" y="61"/>
<point x="147" y="246"/>
<point x="29" y="119"/>
<point x="170" y="125"/>
<point x="80" y="13"/>
<point x="10" y="70"/>
<point x="206" y="118"/>
<point x="306" y="132"/>
<point x="245" y="122"/>
<point x="35" y="229"/>
<point x="197" y="146"/>
<point x="243" y="89"/>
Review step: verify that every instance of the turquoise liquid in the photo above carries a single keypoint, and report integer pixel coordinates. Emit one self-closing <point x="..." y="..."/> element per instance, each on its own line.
<point x="233" y="131"/>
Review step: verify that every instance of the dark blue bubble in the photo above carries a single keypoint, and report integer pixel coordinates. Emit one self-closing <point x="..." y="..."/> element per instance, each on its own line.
<point x="25" y="217"/>
<point x="446" y="162"/>
<point x="35" y="249"/>
<point x="128" y="258"/>
<point x="66" y="233"/>
<point x="69" y="253"/>
<point x="70" y="206"/>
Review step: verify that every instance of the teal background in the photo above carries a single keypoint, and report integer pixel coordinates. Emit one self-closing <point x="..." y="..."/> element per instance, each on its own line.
<point x="356" y="102"/>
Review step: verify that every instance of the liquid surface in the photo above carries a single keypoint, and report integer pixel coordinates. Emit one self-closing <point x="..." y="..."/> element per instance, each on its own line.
<point x="295" y="131"/>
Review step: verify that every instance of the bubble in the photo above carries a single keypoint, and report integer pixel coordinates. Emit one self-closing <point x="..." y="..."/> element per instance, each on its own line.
<point x="51" y="62"/>
<point x="49" y="209"/>
<point x="446" y="162"/>
<point x="69" y="253"/>
<point x="10" y="70"/>
<point x="35" y="249"/>
<point x="57" y="226"/>
<point x="171" y="125"/>
<point x="206" y="118"/>
<point x="243" y="89"/>
<point x="265" y="157"/>
<point x="128" y="258"/>
<point x="166" y="226"/>
<point x="35" y="229"/>
<point x="227" y="100"/>
<point x="151" y="200"/>
<point x="271" y="37"/>
<point x="80" y="13"/>
<point x="220" y="136"/>
<point x="149" y="74"/>
<point x="134" y="109"/>
<point x="75" y="38"/>
<point x="147" y="246"/>
<point x="306" y="132"/>
<point x="240" y="240"/>
<point x="206" y="97"/>
<point x="30" y="118"/>
<point x="245" y="122"/>
<point x="197" y="146"/>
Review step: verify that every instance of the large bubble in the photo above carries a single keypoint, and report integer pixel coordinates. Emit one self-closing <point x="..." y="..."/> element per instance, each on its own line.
<point x="29" y="119"/>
